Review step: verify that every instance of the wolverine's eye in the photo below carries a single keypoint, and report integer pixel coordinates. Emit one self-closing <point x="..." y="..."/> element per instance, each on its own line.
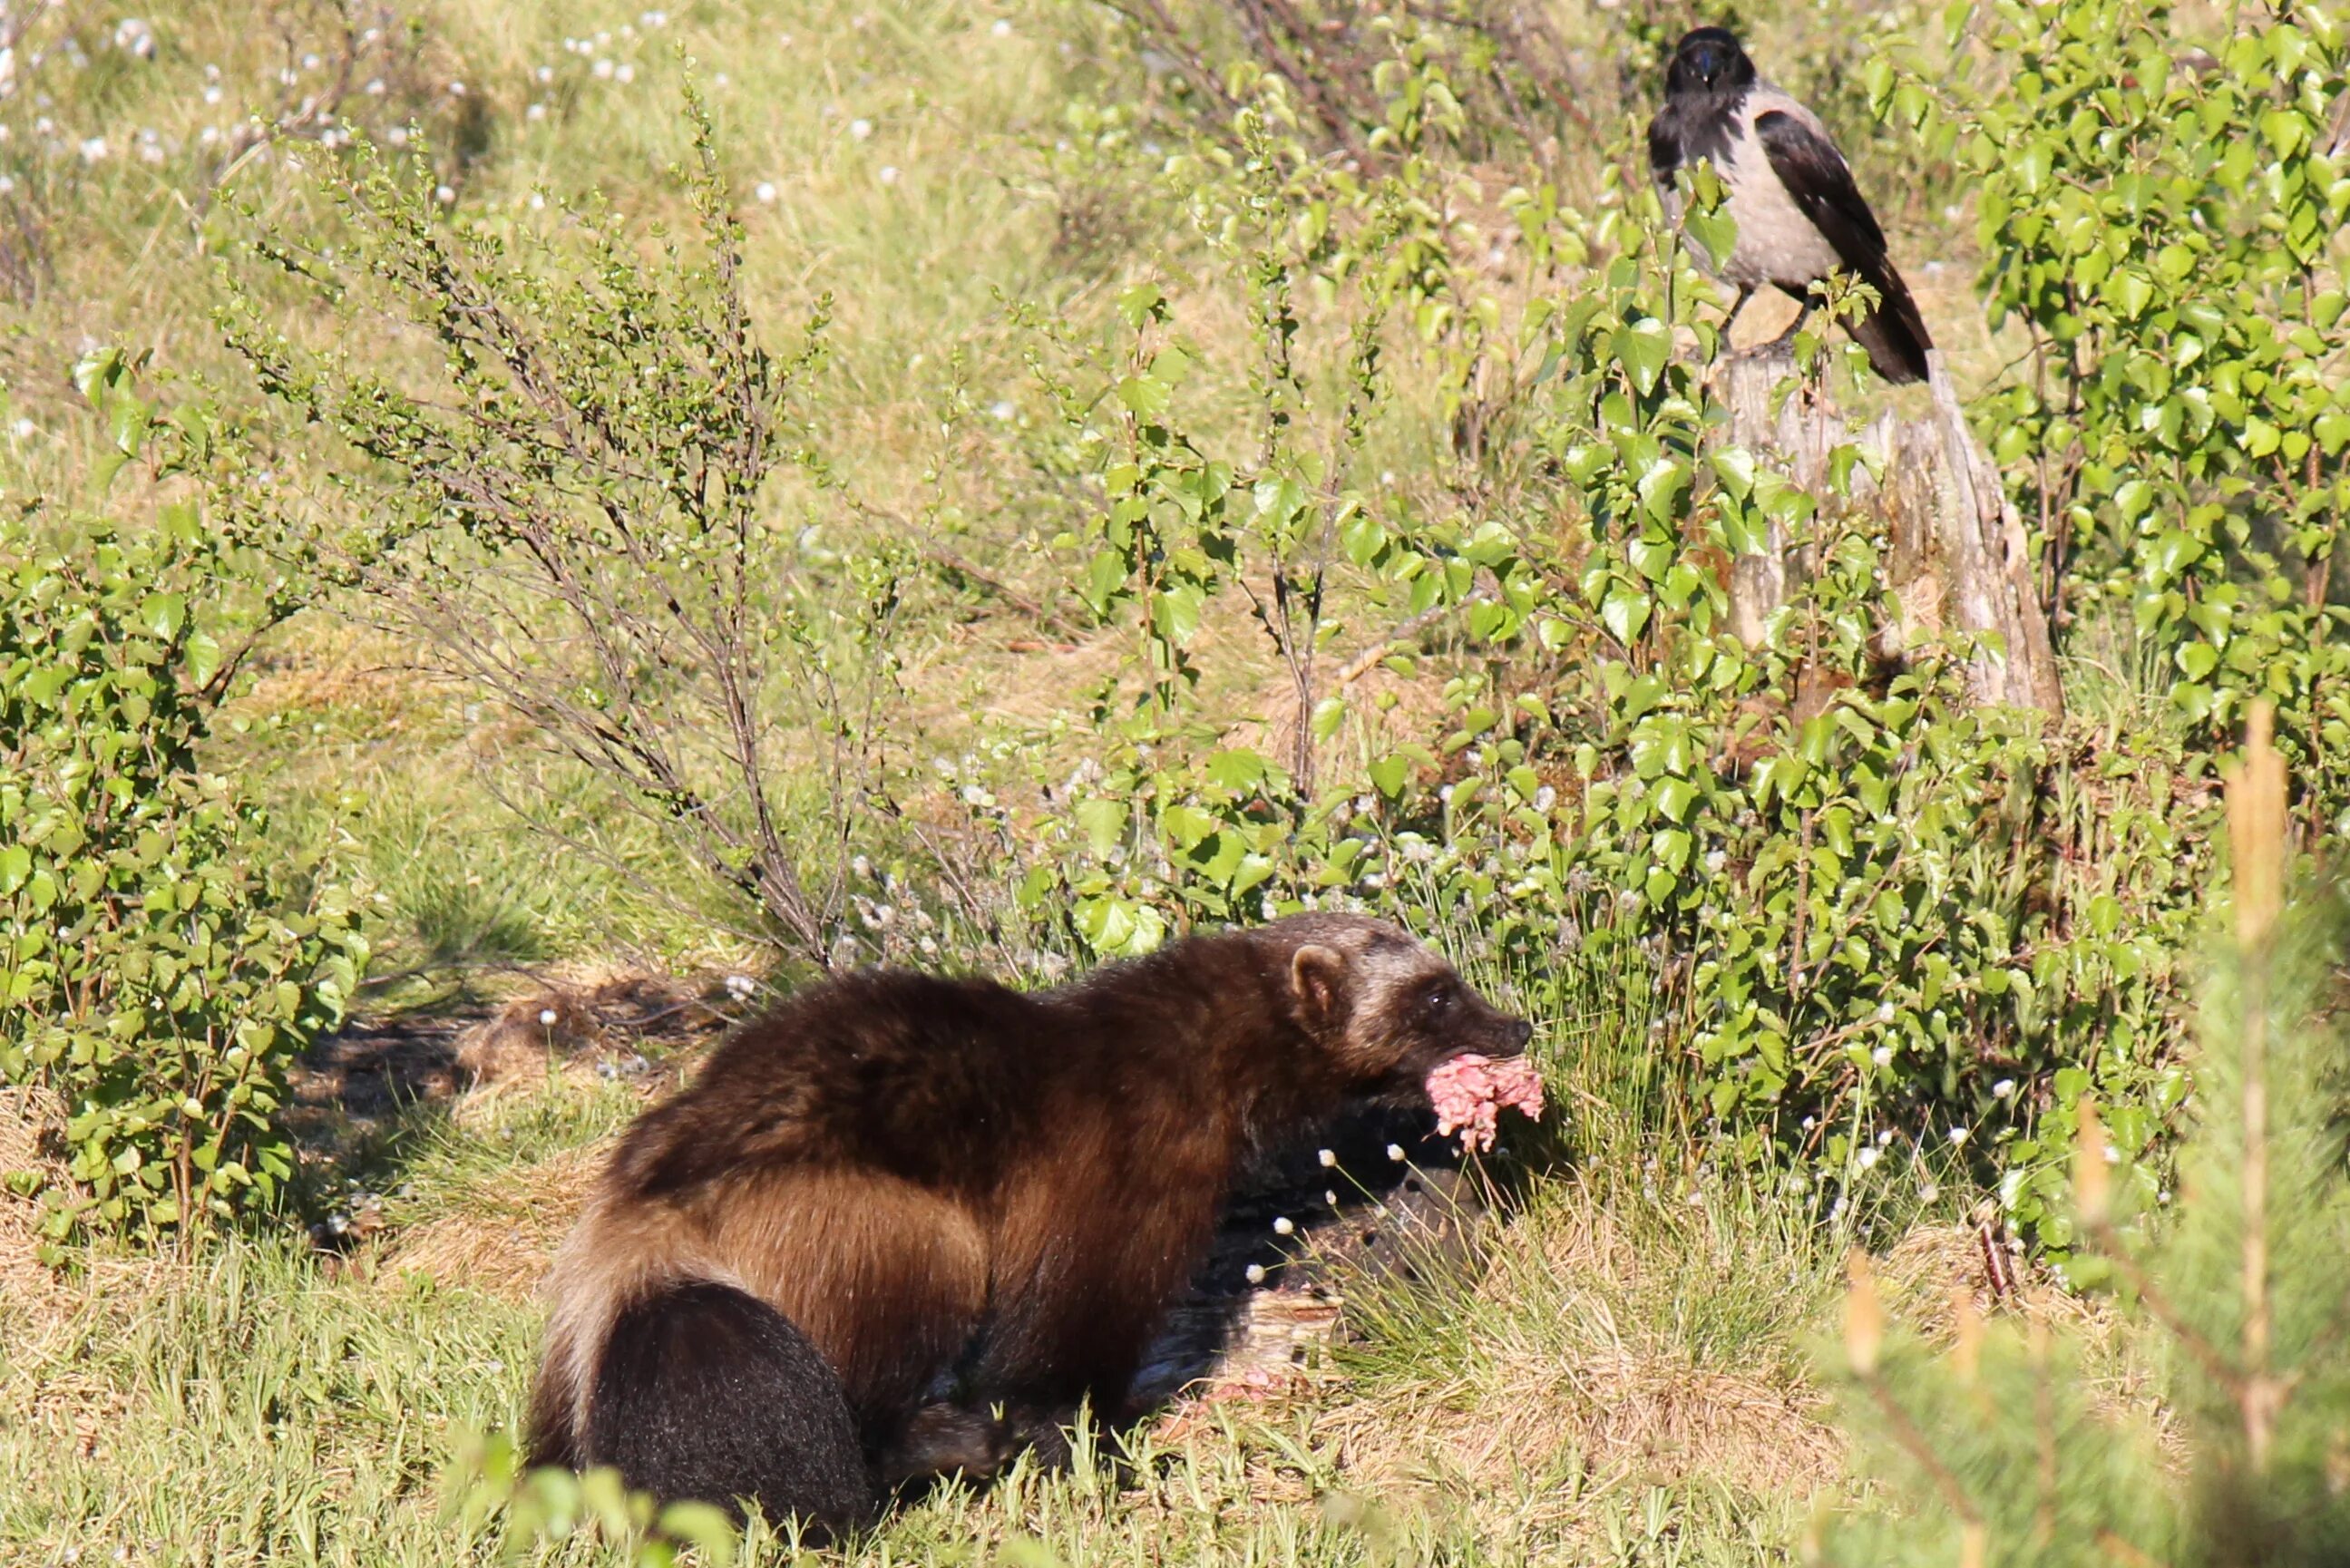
<point x="1438" y="1001"/>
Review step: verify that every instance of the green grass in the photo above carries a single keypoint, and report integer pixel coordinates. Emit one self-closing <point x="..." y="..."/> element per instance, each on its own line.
<point x="254" y="1406"/>
<point x="1622" y="1381"/>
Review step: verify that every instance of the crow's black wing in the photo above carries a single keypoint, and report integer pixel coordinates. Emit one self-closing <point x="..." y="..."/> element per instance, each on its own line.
<point x="1814" y="175"/>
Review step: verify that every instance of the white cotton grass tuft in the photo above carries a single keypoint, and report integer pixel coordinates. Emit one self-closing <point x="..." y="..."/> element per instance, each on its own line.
<point x="1283" y="1226"/>
<point x="1256" y="1273"/>
<point x="1329" y="1158"/>
<point x="546" y="1016"/>
<point x="1394" y="1151"/>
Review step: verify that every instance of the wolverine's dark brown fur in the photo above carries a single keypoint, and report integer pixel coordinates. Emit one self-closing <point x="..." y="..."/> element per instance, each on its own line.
<point x="969" y="1199"/>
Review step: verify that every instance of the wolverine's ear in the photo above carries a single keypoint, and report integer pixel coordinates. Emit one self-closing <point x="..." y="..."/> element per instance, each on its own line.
<point x="1318" y="975"/>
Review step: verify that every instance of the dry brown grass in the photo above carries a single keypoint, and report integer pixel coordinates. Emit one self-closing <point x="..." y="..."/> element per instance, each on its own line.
<point x="501" y="1239"/>
<point x="1571" y="1381"/>
<point x="28" y="1287"/>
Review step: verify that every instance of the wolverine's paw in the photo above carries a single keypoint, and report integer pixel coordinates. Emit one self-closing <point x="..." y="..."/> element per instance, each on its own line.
<point x="946" y="1439"/>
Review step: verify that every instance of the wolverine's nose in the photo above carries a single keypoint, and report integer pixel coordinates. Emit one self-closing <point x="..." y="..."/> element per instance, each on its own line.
<point x="1519" y="1033"/>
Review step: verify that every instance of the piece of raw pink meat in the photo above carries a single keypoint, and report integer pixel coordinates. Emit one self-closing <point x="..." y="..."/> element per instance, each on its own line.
<point x="1468" y="1092"/>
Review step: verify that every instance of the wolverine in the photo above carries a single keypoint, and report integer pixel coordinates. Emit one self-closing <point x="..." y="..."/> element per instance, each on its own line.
<point x="902" y="1225"/>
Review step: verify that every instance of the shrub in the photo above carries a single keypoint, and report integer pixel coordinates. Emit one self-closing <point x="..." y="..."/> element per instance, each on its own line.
<point x="586" y="490"/>
<point x="158" y="966"/>
<point x="2007" y="1446"/>
<point x="1880" y="928"/>
<point x="2161" y="214"/>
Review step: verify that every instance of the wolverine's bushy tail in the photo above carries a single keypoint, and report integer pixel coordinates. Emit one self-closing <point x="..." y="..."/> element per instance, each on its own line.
<point x="703" y="1391"/>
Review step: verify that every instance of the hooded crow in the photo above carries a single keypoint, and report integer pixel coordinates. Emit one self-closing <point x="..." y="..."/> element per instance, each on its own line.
<point x="1799" y="215"/>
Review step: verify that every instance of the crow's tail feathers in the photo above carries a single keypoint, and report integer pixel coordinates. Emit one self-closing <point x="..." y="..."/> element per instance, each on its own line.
<point x="1894" y="333"/>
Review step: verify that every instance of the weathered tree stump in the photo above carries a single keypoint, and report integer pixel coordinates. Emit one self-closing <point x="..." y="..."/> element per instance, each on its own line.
<point x="1956" y="551"/>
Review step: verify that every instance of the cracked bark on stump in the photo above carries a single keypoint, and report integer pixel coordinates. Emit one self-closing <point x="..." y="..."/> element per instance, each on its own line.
<point x="1956" y="553"/>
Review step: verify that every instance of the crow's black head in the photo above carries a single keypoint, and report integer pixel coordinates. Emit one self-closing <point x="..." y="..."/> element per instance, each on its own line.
<point x="1708" y="60"/>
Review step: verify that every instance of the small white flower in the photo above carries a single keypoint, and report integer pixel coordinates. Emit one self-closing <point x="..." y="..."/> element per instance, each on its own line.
<point x="1256" y="1273"/>
<point x="1870" y="1156"/>
<point x="456" y="89"/>
<point x="860" y="129"/>
<point x="1001" y="29"/>
<point x="536" y="111"/>
<point x="1281" y="1225"/>
<point x="861" y="866"/>
<point x="1394" y="1151"/>
<point x="1330" y="1198"/>
<point x="213" y="94"/>
<point x="1003" y="412"/>
<point x="624" y="74"/>
<point x="1328" y="1157"/>
<point x="546" y="1016"/>
<point x="93" y="150"/>
<point x="1885" y="1012"/>
<point x="397" y="136"/>
<point x="1928" y="1192"/>
<point x="2113" y="1155"/>
<point x="602" y="69"/>
<point x="544" y="73"/>
<point x="1885" y="1138"/>
<point x="889" y="174"/>
<point x="444" y="194"/>
<point x="1545" y="797"/>
<point x="1882" y="1056"/>
<point x="764" y="190"/>
<point x="1810" y="1122"/>
<point x="1958" y="1135"/>
<point x="2003" y="1088"/>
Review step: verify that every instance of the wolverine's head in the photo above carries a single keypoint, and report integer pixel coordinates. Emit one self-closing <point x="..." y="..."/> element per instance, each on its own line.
<point x="1386" y="1007"/>
<point x="1708" y="60"/>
